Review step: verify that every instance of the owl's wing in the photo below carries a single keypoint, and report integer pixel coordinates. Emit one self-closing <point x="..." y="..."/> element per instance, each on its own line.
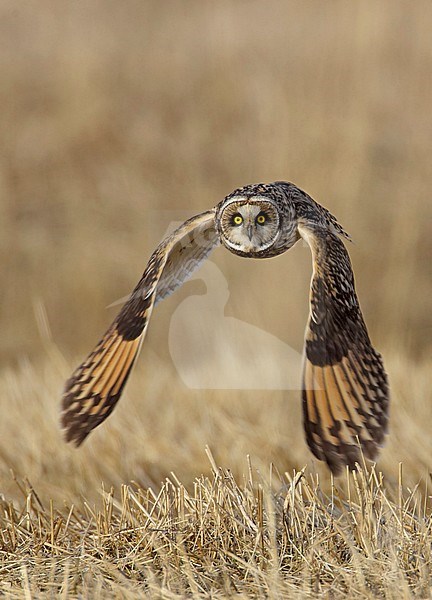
<point x="345" y="389"/>
<point x="96" y="386"/>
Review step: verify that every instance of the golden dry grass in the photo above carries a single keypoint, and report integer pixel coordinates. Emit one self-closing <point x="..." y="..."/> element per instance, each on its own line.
<point x="222" y="539"/>
<point x="118" y="119"/>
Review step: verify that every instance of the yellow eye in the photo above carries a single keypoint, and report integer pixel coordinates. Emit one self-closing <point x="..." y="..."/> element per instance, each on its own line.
<point x="261" y="219"/>
<point x="237" y="219"/>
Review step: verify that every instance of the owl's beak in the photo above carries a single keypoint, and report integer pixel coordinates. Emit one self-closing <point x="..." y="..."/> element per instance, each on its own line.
<point x="250" y="231"/>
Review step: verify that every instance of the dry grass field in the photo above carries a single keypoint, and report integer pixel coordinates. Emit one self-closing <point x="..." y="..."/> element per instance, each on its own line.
<point x="120" y="118"/>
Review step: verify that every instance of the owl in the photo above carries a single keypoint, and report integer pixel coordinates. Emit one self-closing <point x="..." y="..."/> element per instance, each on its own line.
<point x="345" y="394"/>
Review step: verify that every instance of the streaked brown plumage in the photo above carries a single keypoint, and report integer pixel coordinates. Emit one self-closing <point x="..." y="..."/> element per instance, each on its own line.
<point x="96" y="386"/>
<point x="345" y="391"/>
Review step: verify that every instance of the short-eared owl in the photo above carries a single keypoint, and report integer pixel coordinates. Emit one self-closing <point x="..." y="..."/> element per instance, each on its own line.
<point x="344" y="386"/>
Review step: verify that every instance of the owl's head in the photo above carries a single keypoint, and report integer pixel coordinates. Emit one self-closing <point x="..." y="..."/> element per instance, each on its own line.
<point x="248" y="225"/>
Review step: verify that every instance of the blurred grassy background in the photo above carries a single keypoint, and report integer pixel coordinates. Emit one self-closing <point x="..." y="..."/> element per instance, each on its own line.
<point x="112" y="112"/>
<point x="118" y="118"/>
